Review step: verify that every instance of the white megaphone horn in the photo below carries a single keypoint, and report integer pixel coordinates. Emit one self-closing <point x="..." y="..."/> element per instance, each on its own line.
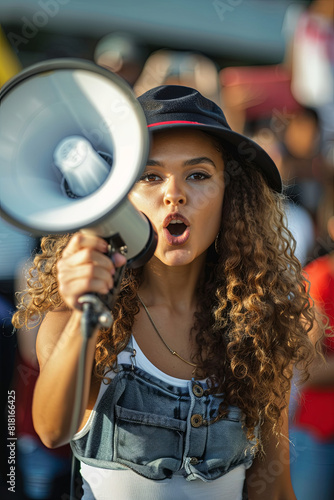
<point x="73" y="142"/>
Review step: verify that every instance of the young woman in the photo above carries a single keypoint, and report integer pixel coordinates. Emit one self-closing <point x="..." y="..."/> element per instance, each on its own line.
<point x="186" y="395"/>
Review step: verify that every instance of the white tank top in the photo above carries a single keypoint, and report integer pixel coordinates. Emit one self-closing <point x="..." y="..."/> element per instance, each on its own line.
<point x="107" y="484"/>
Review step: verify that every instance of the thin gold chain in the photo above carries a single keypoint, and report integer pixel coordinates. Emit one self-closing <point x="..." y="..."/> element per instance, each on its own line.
<point x="161" y="338"/>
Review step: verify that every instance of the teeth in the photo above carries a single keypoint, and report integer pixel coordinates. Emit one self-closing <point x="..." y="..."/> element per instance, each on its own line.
<point x="176" y="221"/>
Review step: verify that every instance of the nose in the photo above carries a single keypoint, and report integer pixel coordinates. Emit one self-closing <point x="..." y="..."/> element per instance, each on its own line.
<point x="174" y="193"/>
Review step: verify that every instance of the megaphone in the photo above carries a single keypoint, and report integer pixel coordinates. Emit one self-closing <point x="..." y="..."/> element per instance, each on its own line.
<point x="73" y="142"/>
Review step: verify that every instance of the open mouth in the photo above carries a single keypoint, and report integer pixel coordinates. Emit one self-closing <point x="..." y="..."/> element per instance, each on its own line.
<point x="176" y="227"/>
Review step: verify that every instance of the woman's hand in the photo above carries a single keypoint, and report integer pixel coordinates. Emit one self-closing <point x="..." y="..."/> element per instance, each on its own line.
<point x="84" y="268"/>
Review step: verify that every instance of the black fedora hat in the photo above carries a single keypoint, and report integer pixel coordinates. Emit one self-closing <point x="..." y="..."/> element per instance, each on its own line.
<point x="170" y="106"/>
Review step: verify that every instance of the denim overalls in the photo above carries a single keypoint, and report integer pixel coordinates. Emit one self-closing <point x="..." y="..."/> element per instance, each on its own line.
<point x="157" y="429"/>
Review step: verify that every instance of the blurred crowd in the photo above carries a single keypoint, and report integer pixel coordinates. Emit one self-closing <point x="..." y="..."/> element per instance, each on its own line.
<point x="289" y="109"/>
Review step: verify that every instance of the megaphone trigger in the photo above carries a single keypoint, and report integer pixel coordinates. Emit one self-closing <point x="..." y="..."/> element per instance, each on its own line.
<point x="116" y="244"/>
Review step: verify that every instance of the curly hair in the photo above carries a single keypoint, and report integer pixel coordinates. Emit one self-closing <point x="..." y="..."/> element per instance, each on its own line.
<point x="254" y="312"/>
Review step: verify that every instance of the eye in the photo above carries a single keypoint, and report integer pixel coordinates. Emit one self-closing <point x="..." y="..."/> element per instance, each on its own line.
<point x="147" y="177"/>
<point x="198" y="176"/>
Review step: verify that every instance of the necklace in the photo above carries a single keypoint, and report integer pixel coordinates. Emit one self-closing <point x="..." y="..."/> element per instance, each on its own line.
<point x="161" y="338"/>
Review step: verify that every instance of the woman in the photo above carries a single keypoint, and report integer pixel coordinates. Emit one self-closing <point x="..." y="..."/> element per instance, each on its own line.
<point x="192" y="381"/>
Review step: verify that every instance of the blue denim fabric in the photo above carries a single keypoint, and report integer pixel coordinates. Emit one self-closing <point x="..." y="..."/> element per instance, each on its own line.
<point x="157" y="429"/>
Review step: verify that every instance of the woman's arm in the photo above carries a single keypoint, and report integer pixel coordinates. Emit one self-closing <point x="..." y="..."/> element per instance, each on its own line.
<point x="269" y="477"/>
<point x="83" y="268"/>
<point x="59" y="344"/>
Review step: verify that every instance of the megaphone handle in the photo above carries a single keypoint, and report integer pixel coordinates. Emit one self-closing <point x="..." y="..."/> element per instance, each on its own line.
<point x="110" y="298"/>
<point x="115" y="245"/>
<point x="98" y="307"/>
<point x="96" y="312"/>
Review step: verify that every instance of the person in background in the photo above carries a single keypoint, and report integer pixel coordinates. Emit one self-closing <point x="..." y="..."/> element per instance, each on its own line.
<point x="122" y="54"/>
<point x="312" y="425"/>
<point x="299" y="220"/>
<point x="44" y="474"/>
<point x="310" y="59"/>
<point x="173" y="67"/>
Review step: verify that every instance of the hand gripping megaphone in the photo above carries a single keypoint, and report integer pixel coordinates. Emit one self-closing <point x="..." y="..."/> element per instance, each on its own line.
<point x="73" y="142"/>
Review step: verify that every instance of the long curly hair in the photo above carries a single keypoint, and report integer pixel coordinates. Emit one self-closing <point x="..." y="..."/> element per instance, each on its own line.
<point x="254" y="312"/>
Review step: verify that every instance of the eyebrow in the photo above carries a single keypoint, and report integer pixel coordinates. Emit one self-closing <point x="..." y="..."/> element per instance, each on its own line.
<point x="200" y="159"/>
<point x="193" y="161"/>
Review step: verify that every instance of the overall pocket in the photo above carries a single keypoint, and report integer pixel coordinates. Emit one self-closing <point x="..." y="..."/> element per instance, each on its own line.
<point x="227" y="445"/>
<point x="148" y="443"/>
